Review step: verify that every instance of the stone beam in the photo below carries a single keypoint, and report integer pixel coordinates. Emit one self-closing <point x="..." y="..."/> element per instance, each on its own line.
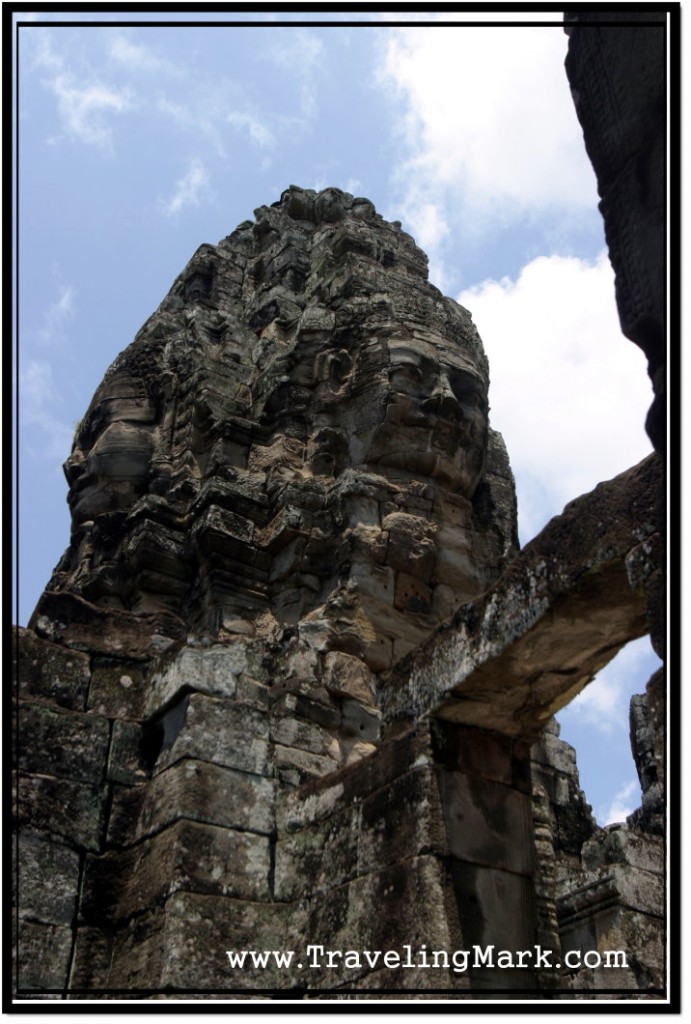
<point x="559" y="613"/>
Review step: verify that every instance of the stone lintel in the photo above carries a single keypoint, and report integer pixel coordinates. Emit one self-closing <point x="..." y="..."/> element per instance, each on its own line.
<point x="560" y="612"/>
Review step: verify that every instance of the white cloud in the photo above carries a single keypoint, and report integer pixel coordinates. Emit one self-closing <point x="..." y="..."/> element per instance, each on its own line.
<point x="257" y="130"/>
<point x="489" y="110"/>
<point x="568" y="392"/>
<point x="604" y="704"/>
<point x="189" y="189"/>
<point x="488" y="131"/>
<point x="623" y="803"/>
<point x="83" y="109"/>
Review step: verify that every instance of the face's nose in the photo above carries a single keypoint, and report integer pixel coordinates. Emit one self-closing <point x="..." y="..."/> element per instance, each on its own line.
<point x="442" y="401"/>
<point x="74" y="466"/>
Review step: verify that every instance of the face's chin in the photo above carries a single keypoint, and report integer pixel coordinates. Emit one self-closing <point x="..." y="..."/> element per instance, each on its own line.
<point x="449" y="450"/>
<point x="460" y="474"/>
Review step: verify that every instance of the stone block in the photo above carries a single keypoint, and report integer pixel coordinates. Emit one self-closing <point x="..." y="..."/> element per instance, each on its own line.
<point x="62" y="743"/>
<point x="71" y="810"/>
<point x="640" y="937"/>
<point x="400" y="820"/>
<point x="412" y="892"/>
<point x="77" y="624"/>
<point x="43" y="957"/>
<point x="377" y="582"/>
<point x="487" y="823"/>
<point x="291" y="732"/>
<point x="320" y="798"/>
<point x="457" y="568"/>
<point x="617" y="845"/>
<point x="639" y="890"/>
<point x="187" y="855"/>
<point x="411" y="547"/>
<point x="93" y="948"/>
<point x="47" y="671"/>
<point x="495" y="908"/>
<point x="556" y="753"/>
<point x="227" y="732"/>
<point x="346" y="676"/>
<point x="125" y="763"/>
<point x="182" y="947"/>
<point x="117" y="688"/>
<point x="137" y="960"/>
<point x="196" y="790"/>
<point x="308" y="765"/>
<point x="476" y="751"/>
<point x="412" y="595"/>
<point x="48" y="876"/>
<point x="248" y="689"/>
<point x="319" y="857"/>
<point x="213" y="670"/>
<point x="360" y="721"/>
<point x="314" y="710"/>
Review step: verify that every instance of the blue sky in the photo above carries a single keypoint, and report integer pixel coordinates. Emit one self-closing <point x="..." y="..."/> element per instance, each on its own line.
<point x="137" y="144"/>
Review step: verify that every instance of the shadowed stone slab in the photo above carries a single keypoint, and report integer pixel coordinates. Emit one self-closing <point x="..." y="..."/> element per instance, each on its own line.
<point x="196" y="790"/>
<point x="64" y="744"/>
<point x="188" y="855"/>
<point x="71" y="810"/>
<point x="43" y="957"/>
<point x="48" y="877"/>
<point x="230" y="733"/>
<point x="487" y="823"/>
<point x="46" y="671"/>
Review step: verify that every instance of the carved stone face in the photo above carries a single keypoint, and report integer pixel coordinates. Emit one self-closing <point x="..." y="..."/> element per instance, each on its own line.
<point x="110" y="474"/>
<point x="430" y="417"/>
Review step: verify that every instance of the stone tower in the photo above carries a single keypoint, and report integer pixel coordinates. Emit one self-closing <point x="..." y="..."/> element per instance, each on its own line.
<point x="289" y="692"/>
<point x="282" y="487"/>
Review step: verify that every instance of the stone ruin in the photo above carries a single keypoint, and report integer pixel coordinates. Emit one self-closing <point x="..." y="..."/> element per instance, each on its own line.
<point x="292" y="683"/>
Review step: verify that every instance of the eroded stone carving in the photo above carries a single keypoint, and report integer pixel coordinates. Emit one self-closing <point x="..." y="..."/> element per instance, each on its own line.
<point x="296" y="449"/>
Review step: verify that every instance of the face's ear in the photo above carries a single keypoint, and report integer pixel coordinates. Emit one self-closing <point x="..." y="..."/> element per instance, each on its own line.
<point x="327" y="452"/>
<point x="333" y="368"/>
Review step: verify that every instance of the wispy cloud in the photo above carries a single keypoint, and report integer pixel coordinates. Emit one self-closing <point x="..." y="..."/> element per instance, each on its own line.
<point x="189" y="189"/>
<point x="302" y="54"/>
<point x="623" y="803"/>
<point x="43" y="434"/>
<point x="256" y="128"/>
<point x="85" y="103"/>
<point x="299" y="51"/>
<point x="136" y="57"/>
<point x="52" y="328"/>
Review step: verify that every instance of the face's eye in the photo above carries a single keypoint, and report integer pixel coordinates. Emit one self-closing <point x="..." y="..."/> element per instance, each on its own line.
<point x="406" y="377"/>
<point x="468" y="389"/>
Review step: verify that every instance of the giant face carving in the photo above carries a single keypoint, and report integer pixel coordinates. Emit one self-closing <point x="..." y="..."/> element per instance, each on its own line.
<point x="109" y="471"/>
<point x="435" y="422"/>
<point x="276" y="446"/>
